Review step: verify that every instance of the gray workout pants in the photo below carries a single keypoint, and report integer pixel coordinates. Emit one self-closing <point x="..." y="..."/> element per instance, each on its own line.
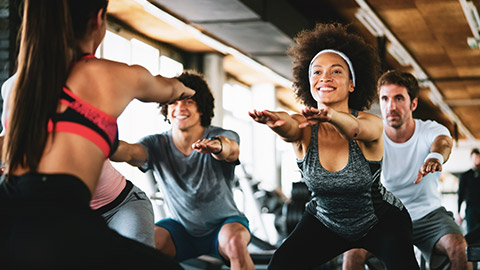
<point x="133" y="217"/>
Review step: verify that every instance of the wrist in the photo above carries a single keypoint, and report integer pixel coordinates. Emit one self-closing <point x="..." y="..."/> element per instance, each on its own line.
<point x="330" y="114"/>
<point x="436" y="156"/>
<point x="221" y="144"/>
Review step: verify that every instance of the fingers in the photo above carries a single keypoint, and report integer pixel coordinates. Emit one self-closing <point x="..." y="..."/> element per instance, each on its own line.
<point x="278" y="123"/>
<point x="206" y="146"/>
<point x="321" y="113"/>
<point x="419" y="178"/>
<point x="200" y="144"/>
<point x="267" y="117"/>
<point x="259" y="116"/>
<point x="313" y="116"/>
<point x="183" y="92"/>
<point x="304" y="124"/>
<point x="430" y="166"/>
<point x="308" y="111"/>
<point x="308" y="122"/>
<point x="189" y="92"/>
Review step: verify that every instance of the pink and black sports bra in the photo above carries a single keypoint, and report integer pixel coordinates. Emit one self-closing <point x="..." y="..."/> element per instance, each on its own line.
<point x="85" y="120"/>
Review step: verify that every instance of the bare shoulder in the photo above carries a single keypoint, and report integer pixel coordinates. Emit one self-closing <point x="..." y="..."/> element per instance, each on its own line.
<point x="368" y="116"/>
<point x="372" y="123"/>
<point x="104" y="66"/>
<point x="101" y="83"/>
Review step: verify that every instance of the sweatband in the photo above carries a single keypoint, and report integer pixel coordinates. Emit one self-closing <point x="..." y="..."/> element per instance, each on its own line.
<point x="349" y="63"/>
<point x="436" y="156"/>
<point x="221" y="144"/>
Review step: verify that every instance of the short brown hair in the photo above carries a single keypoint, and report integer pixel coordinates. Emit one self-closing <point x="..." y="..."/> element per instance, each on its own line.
<point x="402" y="79"/>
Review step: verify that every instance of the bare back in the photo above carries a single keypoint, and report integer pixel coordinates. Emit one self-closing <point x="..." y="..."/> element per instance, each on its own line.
<point x="97" y="83"/>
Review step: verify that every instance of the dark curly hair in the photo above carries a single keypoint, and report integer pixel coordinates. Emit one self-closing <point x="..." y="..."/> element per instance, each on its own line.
<point x="364" y="58"/>
<point x="400" y="78"/>
<point x="203" y="96"/>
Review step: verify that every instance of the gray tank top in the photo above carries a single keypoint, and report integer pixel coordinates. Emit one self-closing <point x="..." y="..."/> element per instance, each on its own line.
<point x="348" y="202"/>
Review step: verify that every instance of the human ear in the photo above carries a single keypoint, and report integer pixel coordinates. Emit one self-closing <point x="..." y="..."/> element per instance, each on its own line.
<point x="99" y="19"/>
<point x="414" y="104"/>
<point x="351" y="88"/>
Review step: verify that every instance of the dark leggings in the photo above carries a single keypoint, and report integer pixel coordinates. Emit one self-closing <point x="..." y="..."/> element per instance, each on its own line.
<point x="46" y="223"/>
<point x="311" y="243"/>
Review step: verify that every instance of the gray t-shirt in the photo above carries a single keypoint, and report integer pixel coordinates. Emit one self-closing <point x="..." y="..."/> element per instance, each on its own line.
<point x="197" y="188"/>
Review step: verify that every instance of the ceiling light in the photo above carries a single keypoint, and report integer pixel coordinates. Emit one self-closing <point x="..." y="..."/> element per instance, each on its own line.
<point x="473" y="43"/>
<point x="399" y="54"/>
<point x="369" y="23"/>
<point x="471" y="14"/>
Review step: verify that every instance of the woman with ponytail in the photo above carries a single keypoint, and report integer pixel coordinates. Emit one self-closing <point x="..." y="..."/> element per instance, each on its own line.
<point x="61" y="128"/>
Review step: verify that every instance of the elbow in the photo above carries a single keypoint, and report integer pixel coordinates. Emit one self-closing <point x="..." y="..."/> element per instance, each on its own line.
<point x="234" y="155"/>
<point x="446" y="143"/>
<point x="233" y="152"/>
<point x="445" y="147"/>
<point x="449" y="145"/>
<point x="353" y="133"/>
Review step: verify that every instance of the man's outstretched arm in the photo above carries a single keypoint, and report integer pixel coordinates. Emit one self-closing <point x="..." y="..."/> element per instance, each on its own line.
<point x="133" y="154"/>
<point x="439" y="154"/>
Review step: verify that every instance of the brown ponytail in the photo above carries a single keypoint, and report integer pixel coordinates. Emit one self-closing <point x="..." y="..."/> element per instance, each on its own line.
<point x="44" y="57"/>
<point x="50" y="33"/>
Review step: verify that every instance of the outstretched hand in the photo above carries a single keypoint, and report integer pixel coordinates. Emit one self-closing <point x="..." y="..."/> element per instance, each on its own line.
<point x="206" y="146"/>
<point x="431" y="165"/>
<point x="266" y="117"/>
<point x="186" y="93"/>
<point x="314" y="116"/>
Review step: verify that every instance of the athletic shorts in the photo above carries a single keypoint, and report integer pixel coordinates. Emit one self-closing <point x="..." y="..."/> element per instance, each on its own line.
<point x="189" y="246"/>
<point x="429" y="229"/>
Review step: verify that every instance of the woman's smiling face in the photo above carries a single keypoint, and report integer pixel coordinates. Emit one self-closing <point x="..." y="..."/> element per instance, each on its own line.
<point x="330" y="79"/>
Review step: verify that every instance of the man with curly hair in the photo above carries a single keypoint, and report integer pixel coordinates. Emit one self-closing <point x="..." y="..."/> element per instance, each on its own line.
<point x="194" y="164"/>
<point x="339" y="150"/>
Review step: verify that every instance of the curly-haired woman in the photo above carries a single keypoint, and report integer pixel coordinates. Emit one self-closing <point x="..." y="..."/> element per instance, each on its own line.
<point x="339" y="150"/>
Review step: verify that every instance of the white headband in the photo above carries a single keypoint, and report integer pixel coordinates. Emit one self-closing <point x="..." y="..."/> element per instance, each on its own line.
<point x="349" y="63"/>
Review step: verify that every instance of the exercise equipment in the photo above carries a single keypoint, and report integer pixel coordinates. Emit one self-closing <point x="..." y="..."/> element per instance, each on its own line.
<point x="294" y="209"/>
